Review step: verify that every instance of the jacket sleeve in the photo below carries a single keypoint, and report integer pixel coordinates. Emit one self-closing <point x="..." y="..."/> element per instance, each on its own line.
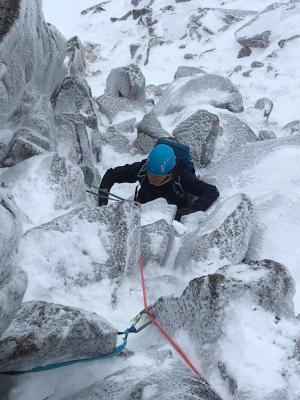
<point x="127" y="173"/>
<point x="205" y="192"/>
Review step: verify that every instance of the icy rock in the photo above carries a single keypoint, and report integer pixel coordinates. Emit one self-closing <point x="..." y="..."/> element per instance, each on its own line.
<point x="32" y="54"/>
<point x="292" y="128"/>
<point x="115" y="139"/>
<point x="115" y="254"/>
<point x="125" y="126"/>
<point x="47" y="182"/>
<point x="148" y="131"/>
<point x="140" y="12"/>
<point x="187" y="71"/>
<point x="224" y="235"/>
<point x="13" y="280"/>
<point x="265" y="105"/>
<point x="156" y="241"/>
<point x="257" y="64"/>
<point x="134" y="48"/>
<point x="234" y="134"/>
<point x="205" y="89"/>
<point x="76" y="57"/>
<point x="45" y="333"/>
<point x="111" y="105"/>
<point x="175" y="381"/>
<point x="128" y="82"/>
<point x="154" y="92"/>
<point x="200" y="132"/>
<point x="156" y="210"/>
<point x="75" y="98"/>
<point x="244" y="52"/>
<point x="266" y="135"/>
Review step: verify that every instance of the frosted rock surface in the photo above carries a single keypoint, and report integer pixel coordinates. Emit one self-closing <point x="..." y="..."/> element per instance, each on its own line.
<point x="156" y="210"/>
<point x="177" y="381"/>
<point x="156" y="241"/>
<point x="44" y="184"/>
<point x="128" y="82"/>
<point x="148" y="131"/>
<point x="224" y="235"/>
<point x="31" y="59"/>
<point x="76" y="57"/>
<point x="187" y="71"/>
<point x="97" y="243"/>
<point x="45" y="333"/>
<point x="205" y="89"/>
<point x="199" y="132"/>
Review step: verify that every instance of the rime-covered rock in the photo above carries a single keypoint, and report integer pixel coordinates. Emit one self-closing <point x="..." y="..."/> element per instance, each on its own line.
<point x="111" y="106"/>
<point x="292" y="128"/>
<point x="205" y="89"/>
<point x="176" y="381"/>
<point x="234" y="134"/>
<point x="76" y="57"/>
<point x="156" y="210"/>
<point x="244" y="52"/>
<point x="199" y="132"/>
<point x="148" y="131"/>
<point x="128" y="82"/>
<point x="49" y="182"/>
<point x="125" y="126"/>
<point x="32" y="54"/>
<point x="45" y="333"/>
<point x="265" y="105"/>
<point x="13" y="280"/>
<point x="115" y="254"/>
<point x="224" y="235"/>
<point x="114" y="138"/>
<point x="266" y="135"/>
<point x="187" y="71"/>
<point x="156" y="241"/>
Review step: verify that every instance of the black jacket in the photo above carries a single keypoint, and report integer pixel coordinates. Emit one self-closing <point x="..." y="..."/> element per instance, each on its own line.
<point x="206" y="194"/>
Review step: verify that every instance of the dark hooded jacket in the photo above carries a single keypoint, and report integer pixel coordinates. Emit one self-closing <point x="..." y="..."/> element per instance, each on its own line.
<point x="175" y="191"/>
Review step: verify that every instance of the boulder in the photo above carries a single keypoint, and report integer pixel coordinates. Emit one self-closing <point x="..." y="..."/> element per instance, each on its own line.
<point x="43" y="184"/>
<point x="199" y="132"/>
<point x="87" y="245"/>
<point x="224" y="236"/>
<point x="266" y="135"/>
<point x="32" y="54"/>
<point x="156" y="242"/>
<point x="244" y="52"/>
<point x="257" y="64"/>
<point x="292" y="128"/>
<point x="205" y="89"/>
<point x="176" y="381"/>
<point x="148" y="131"/>
<point x="13" y="280"/>
<point x="46" y="333"/>
<point x="111" y="106"/>
<point x="183" y="71"/>
<point x="128" y="82"/>
<point x="76" y="57"/>
<point x="114" y="138"/>
<point x="265" y="105"/>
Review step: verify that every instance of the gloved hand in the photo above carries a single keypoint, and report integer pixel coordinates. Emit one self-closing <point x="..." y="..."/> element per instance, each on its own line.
<point x="103" y="201"/>
<point x="185" y="211"/>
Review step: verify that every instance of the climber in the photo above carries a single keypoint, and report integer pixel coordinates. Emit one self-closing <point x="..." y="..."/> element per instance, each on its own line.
<point x="162" y="175"/>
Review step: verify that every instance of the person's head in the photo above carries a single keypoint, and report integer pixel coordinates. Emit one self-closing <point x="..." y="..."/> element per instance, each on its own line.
<point x="160" y="163"/>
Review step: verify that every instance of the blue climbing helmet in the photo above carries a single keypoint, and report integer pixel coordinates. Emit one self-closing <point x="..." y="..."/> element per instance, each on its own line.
<point x="160" y="160"/>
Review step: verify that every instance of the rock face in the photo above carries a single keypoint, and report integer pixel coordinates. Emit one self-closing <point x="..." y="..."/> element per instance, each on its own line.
<point x="205" y="89"/>
<point x="128" y="82"/>
<point x="156" y="242"/>
<point x="200" y="132"/>
<point x="175" y="382"/>
<point x="45" y="333"/>
<point x="33" y="60"/>
<point x="106" y="241"/>
<point x="13" y="280"/>
<point x="149" y="130"/>
<point x="224" y="235"/>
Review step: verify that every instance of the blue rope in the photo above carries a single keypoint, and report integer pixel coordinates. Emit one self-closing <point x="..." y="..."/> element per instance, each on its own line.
<point x="66" y="363"/>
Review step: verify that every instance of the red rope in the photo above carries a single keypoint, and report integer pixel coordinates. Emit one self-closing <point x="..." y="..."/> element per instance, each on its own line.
<point x="176" y="347"/>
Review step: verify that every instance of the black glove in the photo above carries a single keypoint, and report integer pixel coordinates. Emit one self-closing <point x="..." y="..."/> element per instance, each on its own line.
<point x="103" y="200"/>
<point x="185" y="211"/>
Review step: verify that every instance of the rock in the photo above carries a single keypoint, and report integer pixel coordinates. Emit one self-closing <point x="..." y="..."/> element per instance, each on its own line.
<point x="189" y="56"/>
<point x="148" y="131"/>
<point x="133" y="49"/>
<point x="46" y="333"/>
<point x="205" y="89"/>
<point x="266" y="135"/>
<point x="125" y="126"/>
<point x="199" y="132"/>
<point x="156" y="210"/>
<point x="139" y="13"/>
<point x="13" y="280"/>
<point x="128" y="82"/>
<point x="36" y="55"/>
<point x="74" y="99"/>
<point x="135" y="2"/>
<point x="244" y="52"/>
<point x="265" y="105"/>
<point x="154" y="92"/>
<point x="76" y="57"/>
<point x="111" y="106"/>
<point x="176" y="381"/>
<point x="257" y="64"/>
<point x="156" y="242"/>
<point x="292" y="128"/>
<point x="114" y="138"/>
<point x="224" y="235"/>
<point x="49" y="182"/>
<point x="187" y="71"/>
<point x="116" y="229"/>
